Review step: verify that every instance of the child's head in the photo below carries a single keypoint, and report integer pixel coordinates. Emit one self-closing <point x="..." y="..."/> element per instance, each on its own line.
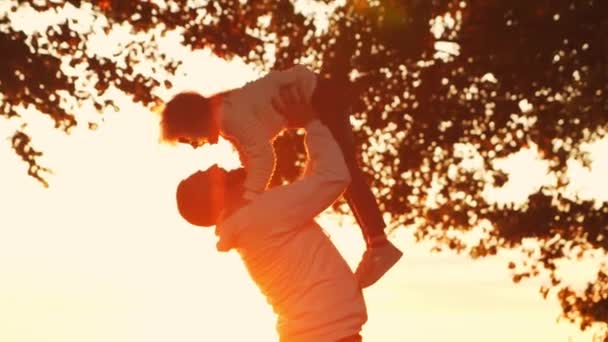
<point x="190" y="118"/>
<point x="203" y="195"/>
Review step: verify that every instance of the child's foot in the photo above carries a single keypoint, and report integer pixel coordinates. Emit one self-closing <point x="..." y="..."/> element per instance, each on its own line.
<point x="376" y="261"/>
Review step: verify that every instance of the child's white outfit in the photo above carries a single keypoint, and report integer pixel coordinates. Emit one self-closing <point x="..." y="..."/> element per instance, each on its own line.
<point x="249" y="120"/>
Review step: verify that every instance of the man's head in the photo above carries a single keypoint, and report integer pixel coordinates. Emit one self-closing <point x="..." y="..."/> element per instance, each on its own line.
<point x="190" y="118"/>
<point x="202" y="196"/>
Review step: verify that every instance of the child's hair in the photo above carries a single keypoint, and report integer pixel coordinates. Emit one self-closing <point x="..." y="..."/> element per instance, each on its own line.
<point x="183" y="113"/>
<point x="202" y="196"/>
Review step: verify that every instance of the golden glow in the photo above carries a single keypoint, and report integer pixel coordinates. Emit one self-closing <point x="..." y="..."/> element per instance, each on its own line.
<point x="104" y="256"/>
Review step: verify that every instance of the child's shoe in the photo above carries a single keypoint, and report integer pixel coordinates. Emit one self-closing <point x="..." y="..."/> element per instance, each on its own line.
<point x="376" y="261"/>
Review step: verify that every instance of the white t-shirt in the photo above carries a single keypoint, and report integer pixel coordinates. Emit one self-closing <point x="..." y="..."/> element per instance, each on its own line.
<point x="295" y="265"/>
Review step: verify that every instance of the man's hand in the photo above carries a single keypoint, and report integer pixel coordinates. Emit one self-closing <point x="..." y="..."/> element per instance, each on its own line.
<point x="293" y="105"/>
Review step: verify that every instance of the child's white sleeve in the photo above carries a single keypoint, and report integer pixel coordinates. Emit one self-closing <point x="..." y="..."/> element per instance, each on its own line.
<point x="259" y="161"/>
<point x="256" y="153"/>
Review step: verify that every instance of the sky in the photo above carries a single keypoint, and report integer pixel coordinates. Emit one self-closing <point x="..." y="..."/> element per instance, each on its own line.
<point x="102" y="255"/>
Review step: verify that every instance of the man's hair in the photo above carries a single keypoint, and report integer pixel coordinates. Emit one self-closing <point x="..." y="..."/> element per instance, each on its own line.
<point x="203" y="195"/>
<point x="184" y="111"/>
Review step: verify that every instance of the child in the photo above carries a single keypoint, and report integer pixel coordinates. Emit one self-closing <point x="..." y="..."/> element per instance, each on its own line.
<point x="252" y="116"/>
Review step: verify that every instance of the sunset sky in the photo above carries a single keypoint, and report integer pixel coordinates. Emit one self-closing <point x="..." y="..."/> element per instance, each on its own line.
<point x="102" y="255"/>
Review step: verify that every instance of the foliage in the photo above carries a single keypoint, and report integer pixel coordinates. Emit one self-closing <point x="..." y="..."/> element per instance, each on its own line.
<point x="444" y="85"/>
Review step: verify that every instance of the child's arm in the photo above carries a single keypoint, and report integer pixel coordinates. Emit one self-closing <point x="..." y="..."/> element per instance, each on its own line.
<point x="255" y="151"/>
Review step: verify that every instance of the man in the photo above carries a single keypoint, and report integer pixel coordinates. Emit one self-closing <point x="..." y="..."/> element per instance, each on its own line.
<point x="305" y="279"/>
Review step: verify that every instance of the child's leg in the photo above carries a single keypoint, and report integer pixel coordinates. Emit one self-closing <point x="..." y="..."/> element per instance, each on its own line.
<point x="332" y="99"/>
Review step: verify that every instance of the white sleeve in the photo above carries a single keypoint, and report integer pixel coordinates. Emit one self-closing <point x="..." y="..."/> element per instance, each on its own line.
<point x="288" y="207"/>
<point x="256" y="153"/>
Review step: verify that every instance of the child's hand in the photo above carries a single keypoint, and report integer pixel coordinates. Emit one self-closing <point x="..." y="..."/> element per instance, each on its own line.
<point x="292" y="104"/>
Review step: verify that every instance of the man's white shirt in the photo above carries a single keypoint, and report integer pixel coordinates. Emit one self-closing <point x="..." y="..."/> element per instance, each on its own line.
<point x="295" y="265"/>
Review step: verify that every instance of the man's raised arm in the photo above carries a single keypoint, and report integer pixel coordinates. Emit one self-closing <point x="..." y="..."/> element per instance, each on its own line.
<point x="290" y="206"/>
